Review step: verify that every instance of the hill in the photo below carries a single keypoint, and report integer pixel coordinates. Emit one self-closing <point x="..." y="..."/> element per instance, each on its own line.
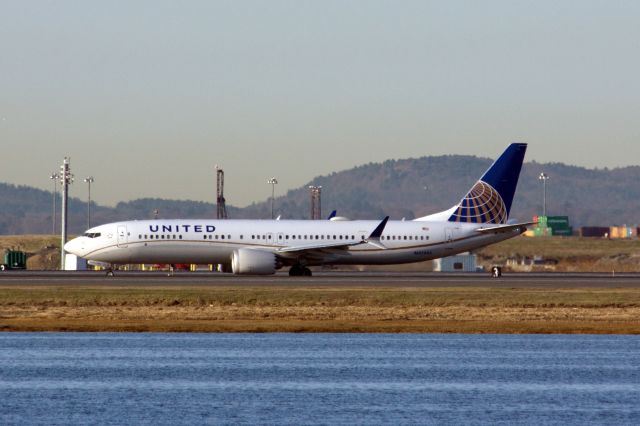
<point x="406" y="188"/>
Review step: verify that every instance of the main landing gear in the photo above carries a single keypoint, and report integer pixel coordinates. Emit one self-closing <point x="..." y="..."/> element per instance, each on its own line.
<point x="299" y="271"/>
<point x="496" y="272"/>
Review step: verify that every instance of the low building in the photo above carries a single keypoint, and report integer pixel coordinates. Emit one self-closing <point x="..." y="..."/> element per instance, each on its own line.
<point x="463" y="262"/>
<point x="74" y="263"/>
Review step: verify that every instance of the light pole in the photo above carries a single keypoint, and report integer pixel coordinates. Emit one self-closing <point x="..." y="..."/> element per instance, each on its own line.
<point x="66" y="178"/>
<point x="544" y="178"/>
<point x="273" y="181"/>
<point x="89" y="180"/>
<point x="54" y="177"/>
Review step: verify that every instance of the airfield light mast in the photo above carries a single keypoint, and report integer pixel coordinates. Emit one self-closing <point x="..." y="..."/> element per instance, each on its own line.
<point x="66" y="178"/>
<point x="220" y="201"/>
<point x="273" y="181"/>
<point x="544" y="178"/>
<point x="54" y="177"/>
<point x="316" y="206"/>
<point x="89" y="180"/>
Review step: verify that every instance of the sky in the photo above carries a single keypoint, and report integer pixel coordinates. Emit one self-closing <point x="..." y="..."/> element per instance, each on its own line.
<point x="148" y="96"/>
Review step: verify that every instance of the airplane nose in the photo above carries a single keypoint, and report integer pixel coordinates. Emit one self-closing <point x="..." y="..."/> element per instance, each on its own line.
<point x="74" y="247"/>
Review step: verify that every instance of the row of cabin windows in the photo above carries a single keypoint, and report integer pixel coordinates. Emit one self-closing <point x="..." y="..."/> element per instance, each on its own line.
<point x="405" y="237"/>
<point x="343" y="237"/>
<point x="159" y="237"/>
<point x="308" y="237"/>
<point x="300" y="237"/>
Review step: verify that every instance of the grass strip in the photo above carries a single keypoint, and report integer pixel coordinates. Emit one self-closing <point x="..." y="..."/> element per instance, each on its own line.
<point x="309" y="309"/>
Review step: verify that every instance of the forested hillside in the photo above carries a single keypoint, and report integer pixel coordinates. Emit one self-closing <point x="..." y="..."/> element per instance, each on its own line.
<point x="400" y="188"/>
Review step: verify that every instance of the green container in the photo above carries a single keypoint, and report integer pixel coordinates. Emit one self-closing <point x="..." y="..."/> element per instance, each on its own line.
<point x="541" y="232"/>
<point x="563" y="232"/>
<point x="15" y="259"/>
<point x="558" y="220"/>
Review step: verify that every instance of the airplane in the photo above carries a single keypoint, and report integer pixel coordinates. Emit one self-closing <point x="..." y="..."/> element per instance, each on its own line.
<point x="261" y="247"/>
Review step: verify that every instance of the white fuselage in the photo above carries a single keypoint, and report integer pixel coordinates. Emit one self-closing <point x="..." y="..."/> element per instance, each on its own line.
<point x="214" y="241"/>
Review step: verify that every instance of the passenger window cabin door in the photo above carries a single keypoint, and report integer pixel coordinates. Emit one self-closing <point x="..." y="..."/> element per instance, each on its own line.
<point x="275" y="239"/>
<point x="448" y="234"/>
<point x="122" y="236"/>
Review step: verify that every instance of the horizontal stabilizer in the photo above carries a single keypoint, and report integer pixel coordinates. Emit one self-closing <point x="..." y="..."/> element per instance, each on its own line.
<point x="505" y="228"/>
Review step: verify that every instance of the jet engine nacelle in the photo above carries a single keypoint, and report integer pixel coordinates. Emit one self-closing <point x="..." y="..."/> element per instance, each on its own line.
<point x="253" y="262"/>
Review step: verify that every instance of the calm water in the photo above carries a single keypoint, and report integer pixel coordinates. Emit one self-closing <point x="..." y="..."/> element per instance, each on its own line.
<point x="81" y="378"/>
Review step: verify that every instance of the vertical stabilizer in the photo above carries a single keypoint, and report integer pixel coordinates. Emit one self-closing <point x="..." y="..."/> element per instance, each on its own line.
<point x="489" y="200"/>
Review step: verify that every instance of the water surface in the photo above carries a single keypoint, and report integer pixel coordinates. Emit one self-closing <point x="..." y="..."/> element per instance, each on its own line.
<point x="122" y="378"/>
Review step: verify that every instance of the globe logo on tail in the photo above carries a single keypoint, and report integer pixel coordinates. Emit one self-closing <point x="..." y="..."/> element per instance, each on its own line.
<point x="483" y="204"/>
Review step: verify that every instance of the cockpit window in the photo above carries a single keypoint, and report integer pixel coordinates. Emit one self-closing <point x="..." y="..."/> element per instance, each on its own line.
<point x="92" y="234"/>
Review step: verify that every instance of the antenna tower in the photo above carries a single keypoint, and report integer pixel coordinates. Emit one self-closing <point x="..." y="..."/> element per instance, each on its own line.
<point x="222" y="208"/>
<point x="316" y="206"/>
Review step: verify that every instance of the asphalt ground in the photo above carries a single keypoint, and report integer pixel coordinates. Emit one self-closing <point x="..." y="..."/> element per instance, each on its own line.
<point x="323" y="279"/>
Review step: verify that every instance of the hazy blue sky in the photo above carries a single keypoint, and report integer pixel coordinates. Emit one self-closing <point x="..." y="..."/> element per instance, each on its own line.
<point x="147" y="96"/>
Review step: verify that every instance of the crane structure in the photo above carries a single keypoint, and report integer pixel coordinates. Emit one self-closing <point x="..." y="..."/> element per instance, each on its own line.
<point x="220" y="201"/>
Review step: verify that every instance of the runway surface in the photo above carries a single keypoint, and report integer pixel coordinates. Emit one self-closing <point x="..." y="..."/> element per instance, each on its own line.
<point x="322" y="279"/>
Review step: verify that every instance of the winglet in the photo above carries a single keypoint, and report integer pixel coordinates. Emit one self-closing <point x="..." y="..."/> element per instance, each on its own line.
<point x="332" y="215"/>
<point x="374" y="238"/>
<point x="377" y="233"/>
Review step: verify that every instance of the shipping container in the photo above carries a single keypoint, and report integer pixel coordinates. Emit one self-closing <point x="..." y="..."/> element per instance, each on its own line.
<point x="563" y="232"/>
<point x="557" y="220"/>
<point x="619" y="232"/>
<point x="14" y="259"/>
<point x="558" y="223"/>
<point x="594" y="231"/>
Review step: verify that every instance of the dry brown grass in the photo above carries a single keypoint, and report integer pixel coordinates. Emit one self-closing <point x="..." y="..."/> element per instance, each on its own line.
<point x="475" y="310"/>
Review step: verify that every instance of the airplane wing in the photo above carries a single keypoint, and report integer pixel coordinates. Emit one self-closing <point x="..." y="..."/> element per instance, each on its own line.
<point x="505" y="228"/>
<point x="306" y="247"/>
<point x="374" y="239"/>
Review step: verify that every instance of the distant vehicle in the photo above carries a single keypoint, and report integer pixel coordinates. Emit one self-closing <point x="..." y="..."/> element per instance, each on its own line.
<point x="14" y="259"/>
<point x="260" y="247"/>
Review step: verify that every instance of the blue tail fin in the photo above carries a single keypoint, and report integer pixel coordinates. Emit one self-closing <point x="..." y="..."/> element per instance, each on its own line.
<point x="489" y="201"/>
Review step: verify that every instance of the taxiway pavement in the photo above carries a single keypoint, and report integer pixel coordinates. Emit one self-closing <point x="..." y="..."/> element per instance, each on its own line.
<point x="322" y="279"/>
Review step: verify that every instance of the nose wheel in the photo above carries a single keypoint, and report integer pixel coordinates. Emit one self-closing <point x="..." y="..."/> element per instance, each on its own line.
<point x="299" y="271"/>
